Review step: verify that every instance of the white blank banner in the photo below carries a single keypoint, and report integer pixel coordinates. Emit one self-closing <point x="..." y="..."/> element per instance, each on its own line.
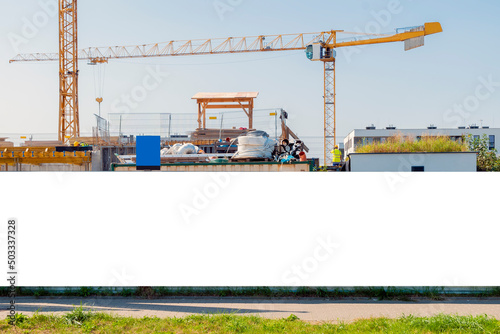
<point x="253" y="229"/>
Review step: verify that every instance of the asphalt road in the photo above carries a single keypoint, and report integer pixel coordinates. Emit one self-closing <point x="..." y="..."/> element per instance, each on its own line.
<point x="306" y="309"/>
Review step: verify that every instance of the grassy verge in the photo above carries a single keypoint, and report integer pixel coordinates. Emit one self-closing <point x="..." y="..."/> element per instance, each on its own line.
<point x="381" y="293"/>
<point x="84" y="321"/>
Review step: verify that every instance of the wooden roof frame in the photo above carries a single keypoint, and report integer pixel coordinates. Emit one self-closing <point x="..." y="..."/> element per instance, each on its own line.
<point x="242" y="100"/>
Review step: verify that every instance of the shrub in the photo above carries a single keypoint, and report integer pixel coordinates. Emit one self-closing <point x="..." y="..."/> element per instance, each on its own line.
<point x="487" y="160"/>
<point x="78" y="316"/>
<point x="407" y="144"/>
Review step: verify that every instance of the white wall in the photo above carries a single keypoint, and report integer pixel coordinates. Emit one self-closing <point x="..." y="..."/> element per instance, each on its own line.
<point x="403" y="162"/>
<point x="201" y="229"/>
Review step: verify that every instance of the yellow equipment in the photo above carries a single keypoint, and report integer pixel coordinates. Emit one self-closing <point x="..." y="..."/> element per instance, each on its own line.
<point x="318" y="46"/>
<point x="17" y="156"/>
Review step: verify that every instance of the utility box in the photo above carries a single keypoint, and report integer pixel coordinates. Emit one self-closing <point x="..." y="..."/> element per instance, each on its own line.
<point x="148" y="150"/>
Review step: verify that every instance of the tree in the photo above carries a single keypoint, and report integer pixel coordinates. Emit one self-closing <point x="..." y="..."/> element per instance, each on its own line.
<point x="487" y="160"/>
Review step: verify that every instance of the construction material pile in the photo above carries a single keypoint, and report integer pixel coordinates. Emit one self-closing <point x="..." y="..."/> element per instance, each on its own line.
<point x="255" y="145"/>
<point x="288" y="151"/>
<point x="180" y="149"/>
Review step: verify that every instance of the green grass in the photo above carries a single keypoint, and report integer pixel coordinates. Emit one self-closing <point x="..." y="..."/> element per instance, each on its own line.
<point x="401" y="144"/>
<point x="84" y="321"/>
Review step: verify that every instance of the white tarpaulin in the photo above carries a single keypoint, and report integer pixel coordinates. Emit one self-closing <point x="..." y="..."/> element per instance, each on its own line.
<point x="179" y="149"/>
<point x="255" y="144"/>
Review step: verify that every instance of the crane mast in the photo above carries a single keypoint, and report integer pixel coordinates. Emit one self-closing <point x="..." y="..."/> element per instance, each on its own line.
<point x="330" y="108"/>
<point x="318" y="46"/>
<point x="69" y="120"/>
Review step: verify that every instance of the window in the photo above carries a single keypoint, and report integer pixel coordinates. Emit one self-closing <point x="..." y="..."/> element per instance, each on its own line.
<point x="476" y="137"/>
<point x="492" y="142"/>
<point x="417" y="168"/>
<point x="348" y="145"/>
<point x="358" y="141"/>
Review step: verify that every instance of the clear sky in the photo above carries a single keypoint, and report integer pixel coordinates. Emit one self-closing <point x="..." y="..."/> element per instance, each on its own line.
<point x="453" y="80"/>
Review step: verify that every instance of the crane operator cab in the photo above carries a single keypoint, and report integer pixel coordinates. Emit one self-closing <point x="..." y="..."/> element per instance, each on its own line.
<point x="318" y="51"/>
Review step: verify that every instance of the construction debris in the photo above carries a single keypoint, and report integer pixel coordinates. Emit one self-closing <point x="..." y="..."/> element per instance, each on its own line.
<point x="287" y="151"/>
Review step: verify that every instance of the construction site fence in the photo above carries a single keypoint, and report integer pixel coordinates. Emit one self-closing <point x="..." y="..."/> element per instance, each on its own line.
<point x="178" y="125"/>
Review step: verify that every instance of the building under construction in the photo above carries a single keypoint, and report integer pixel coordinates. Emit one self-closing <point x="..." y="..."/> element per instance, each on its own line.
<point x="112" y="144"/>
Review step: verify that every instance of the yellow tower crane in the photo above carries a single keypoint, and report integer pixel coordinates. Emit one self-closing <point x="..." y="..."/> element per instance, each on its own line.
<point x="318" y="46"/>
<point x="69" y="120"/>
